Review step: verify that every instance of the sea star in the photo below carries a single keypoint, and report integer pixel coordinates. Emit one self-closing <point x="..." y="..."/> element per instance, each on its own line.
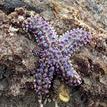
<point x="54" y="53"/>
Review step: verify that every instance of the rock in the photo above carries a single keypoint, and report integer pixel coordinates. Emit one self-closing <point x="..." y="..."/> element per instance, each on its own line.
<point x="103" y="79"/>
<point x="5" y="71"/>
<point x="3" y="85"/>
<point x="83" y="65"/>
<point x="101" y="46"/>
<point x="90" y="62"/>
<point x="87" y="81"/>
<point x="8" y="6"/>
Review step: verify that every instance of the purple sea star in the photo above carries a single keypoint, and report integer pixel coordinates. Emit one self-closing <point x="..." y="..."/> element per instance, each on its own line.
<point x="54" y="53"/>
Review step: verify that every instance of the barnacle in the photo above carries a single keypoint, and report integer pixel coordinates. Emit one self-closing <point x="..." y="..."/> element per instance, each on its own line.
<point x="64" y="94"/>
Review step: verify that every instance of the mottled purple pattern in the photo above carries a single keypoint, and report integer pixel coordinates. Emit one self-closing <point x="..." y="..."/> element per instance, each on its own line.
<point x="54" y="53"/>
<point x="73" y="40"/>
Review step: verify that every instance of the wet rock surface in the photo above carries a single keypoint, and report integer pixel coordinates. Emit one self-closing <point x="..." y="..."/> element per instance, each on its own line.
<point x="17" y="60"/>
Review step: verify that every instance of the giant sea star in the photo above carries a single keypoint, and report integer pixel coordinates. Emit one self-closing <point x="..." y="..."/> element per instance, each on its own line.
<point x="54" y="53"/>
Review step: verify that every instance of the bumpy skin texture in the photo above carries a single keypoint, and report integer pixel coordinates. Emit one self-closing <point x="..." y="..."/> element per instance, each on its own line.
<point x="54" y="53"/>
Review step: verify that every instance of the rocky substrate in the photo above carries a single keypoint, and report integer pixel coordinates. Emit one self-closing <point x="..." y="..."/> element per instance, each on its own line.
<point x="17" y="60"/>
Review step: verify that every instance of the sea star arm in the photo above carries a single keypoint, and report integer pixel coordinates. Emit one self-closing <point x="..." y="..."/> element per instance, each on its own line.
<point x="41" y="29"/>
<point x="72" y="40"/>
<point x="68" y="73"/>
<point x="43" y="77"/>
